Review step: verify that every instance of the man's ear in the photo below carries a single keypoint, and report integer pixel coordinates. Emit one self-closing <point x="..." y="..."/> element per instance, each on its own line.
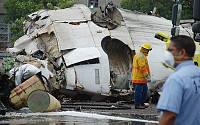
<point x="183" y="54"/>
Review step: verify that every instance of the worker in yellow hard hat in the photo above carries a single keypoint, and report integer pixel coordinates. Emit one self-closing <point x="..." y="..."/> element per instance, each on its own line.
<point x="141" y="76"/>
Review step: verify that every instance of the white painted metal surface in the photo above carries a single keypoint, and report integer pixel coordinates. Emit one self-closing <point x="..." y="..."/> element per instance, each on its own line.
<point x="25" y="42"/>
<point x="122" y="33"/>
<point x="98" y="33"/>
<point x="73" y="14"/>
<point x="85" y="78"/>
<point x="70" y="34"/>
<point x="104" y="73"/>
<point x="73" y="36"/>
<point x="81" y="54"/>
<point x="70" y="76"/>
<point x="142" y="28"/>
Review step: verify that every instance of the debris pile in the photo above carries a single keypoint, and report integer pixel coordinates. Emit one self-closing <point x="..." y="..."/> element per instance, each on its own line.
<point x="65" y="45"/>
<point x="82" y="54"/>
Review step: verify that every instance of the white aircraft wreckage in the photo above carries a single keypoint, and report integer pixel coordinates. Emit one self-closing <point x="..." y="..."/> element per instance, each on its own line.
<point x="92" y="53"/>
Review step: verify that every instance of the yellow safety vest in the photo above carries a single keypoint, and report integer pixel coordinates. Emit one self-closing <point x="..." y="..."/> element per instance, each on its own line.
<point x="140" y="68"/>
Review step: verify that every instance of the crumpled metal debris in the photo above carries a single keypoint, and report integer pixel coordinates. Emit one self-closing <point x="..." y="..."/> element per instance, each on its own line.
<point x="81" y="51"/>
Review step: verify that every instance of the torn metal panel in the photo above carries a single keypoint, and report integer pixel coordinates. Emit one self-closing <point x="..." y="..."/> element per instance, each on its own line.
<point x="142" y="27"/>
<point x="42" y="19"/>
<point x="29" y="60"/>
<point x="37" y="20"/>
<point x="114" y="14"/>
<point x="51" y="44"/>
<point x="59" y="61"/>
<point x="24" y="42"/>
<point x="44" y="66"/>
<point x="34" y="15"/>
<point x="122" y="34"/>
<point x="109" y="18"/>
<point x="83" y="35"/>
<point x="71" y="36"/>
<point x="81" y="54"/>
<point x="50" y="74"/>
<point x="112" y="19"/>
<point x="65" y="36"/>
<point x="47" y="29"/>
<point x="98" y="33"/>
<point x="36" y="29"/>
<point x="45" y="71"/>
<point x="72" y="14"/>
<point x="41" y="64"/>
<point x="43" y="23"/>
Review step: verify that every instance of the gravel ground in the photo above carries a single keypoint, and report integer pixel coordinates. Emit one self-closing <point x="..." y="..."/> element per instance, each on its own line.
<point x="110" y="109"/>
<point x="150" y="113"/>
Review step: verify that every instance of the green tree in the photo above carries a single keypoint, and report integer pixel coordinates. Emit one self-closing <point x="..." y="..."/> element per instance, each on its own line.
<point x="18" y="11"/>
<point x="163" y="7"/>
<point x="187" y="12"/>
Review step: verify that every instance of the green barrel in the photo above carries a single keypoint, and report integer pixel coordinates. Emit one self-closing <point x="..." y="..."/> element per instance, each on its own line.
<point x="41" y="101"/>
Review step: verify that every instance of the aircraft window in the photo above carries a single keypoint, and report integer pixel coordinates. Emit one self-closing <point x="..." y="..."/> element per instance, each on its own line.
<point x="86" y="62"/>
<point x="97" y="79"/>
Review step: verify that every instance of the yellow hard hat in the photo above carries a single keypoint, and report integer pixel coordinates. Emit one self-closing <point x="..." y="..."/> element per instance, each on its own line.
<point x="147" y="46"/>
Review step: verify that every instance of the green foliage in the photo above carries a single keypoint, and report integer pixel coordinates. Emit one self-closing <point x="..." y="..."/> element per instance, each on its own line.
<point x="163" y="7"/>
<point x="187" y="12"/>
<point x="16" y="28"/>
<point x="20" y="8"/>
<point x="65" y="4"/>
<point x="50" y="6"/>
<point x="8" y="63"/>
<point x="18" y="11"/>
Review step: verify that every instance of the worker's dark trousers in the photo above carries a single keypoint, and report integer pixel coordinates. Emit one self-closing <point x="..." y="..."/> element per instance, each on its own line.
<point x="140" y="94"/>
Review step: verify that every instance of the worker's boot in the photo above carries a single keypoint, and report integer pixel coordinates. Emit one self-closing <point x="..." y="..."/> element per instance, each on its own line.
<point x="146" y="105"/>
<point x="140" y="107"/>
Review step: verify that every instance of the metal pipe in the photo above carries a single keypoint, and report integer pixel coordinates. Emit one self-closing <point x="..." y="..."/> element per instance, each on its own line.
<point x="87" y="3"/>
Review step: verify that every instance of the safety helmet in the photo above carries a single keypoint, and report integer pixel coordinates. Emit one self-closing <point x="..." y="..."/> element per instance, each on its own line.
<point x="147" y="46"/>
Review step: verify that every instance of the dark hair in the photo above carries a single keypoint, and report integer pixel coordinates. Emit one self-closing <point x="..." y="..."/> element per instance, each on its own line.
<point x="184" y="42"/>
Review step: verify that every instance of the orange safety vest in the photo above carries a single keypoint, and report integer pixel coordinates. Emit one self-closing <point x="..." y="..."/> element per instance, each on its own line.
<point x="140" y="68"/>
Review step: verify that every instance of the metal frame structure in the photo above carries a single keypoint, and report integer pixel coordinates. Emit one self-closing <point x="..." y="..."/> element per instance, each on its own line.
<point x="5" y="36"/>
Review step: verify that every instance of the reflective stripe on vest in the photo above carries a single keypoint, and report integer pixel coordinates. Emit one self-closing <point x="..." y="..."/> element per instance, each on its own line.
<point x="136" y="67"/>
<point x="139" y="81"/>
<point x="144" y="69"/>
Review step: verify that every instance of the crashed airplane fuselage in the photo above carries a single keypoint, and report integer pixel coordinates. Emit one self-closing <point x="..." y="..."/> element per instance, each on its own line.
<point x="93" y="52"/>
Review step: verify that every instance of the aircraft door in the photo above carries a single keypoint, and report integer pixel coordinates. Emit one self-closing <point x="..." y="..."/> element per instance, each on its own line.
<point x="120" y="62"/>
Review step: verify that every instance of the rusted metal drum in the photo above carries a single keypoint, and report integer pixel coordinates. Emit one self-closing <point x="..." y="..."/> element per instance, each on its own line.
<point x="41" y="101"/>
<point x="19" y="95"/>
